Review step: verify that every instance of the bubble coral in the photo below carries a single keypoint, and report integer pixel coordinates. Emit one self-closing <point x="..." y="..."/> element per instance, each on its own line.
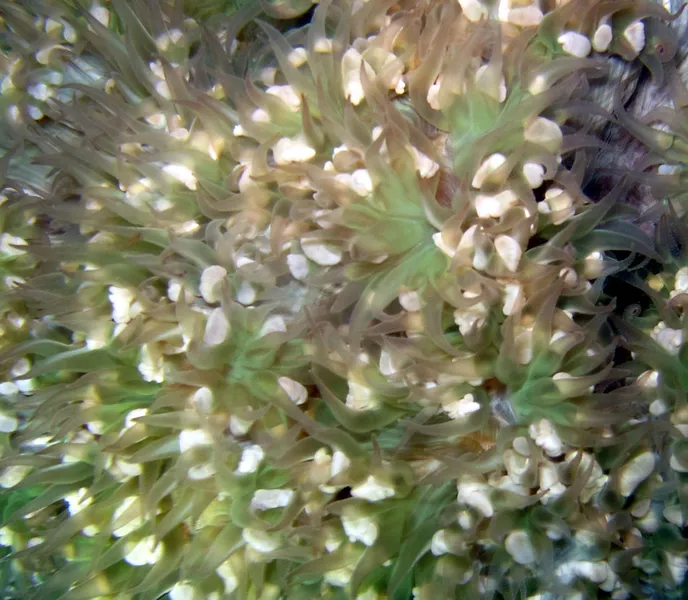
<point x="319" y="301"/>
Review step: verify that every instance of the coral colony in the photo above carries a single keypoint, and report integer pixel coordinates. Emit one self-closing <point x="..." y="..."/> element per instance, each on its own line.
<point x="343" y="300"/>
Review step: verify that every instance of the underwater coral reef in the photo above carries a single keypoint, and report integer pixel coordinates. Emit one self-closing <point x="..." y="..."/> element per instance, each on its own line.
<point x="348" y="299"/>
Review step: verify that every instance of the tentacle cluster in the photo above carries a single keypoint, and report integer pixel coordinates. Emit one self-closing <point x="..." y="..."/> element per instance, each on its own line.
<point x="321" y="301"/>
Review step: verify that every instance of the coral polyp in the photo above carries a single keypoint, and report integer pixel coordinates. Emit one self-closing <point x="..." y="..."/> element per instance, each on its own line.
<point x="349" y="299"/>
